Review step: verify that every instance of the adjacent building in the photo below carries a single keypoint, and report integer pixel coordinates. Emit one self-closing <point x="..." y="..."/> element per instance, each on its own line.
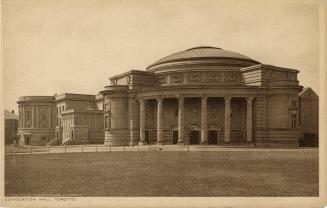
<point x="11" y="127"/>
<point x="59" y="119"/>
<point x="203" y="95"/>
<point x="309" y="117"/>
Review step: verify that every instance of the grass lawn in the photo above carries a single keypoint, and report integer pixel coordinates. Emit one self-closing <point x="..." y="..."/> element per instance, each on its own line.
<point x="221" y="173"/>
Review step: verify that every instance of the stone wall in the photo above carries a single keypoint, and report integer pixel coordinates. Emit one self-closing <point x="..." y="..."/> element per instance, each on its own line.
<point x="36" y="136"/>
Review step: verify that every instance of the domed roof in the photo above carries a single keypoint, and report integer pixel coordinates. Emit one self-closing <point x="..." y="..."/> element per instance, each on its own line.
<point x="202" y="52"/>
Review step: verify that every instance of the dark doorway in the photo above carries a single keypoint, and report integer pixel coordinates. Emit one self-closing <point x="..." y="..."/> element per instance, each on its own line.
<point x="147" y="136"/>
<point x="309" y="140"/>
<point x="27" y="140"/>
<point x="213" y="137"/>
<point x="175" y="137"/>
<point x="195" y="137"/>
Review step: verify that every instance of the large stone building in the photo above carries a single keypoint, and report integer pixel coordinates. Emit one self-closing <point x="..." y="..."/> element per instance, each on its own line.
<point x="202" y="95"/>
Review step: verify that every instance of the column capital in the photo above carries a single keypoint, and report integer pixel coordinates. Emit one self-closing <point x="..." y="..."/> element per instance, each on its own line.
<point x="180" y="97"/>
<point x="250" y="98"/>
<point x="227" y="98"/>
<point x="159" y="99"/>
<point x="204" y="97"/>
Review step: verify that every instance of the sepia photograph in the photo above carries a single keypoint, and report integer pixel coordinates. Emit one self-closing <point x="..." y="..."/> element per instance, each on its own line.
<point x="120" y="103"/>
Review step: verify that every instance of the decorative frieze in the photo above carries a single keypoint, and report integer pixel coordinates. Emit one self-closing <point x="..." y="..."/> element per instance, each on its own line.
<point x="195" y="77"/>
<point x="222" y="77"/>
<point x="214" y="76"/>
<point x="177" y="78"/>
<point x="230" y="76"/>
<point x="163" y="79"/>
<point x="199" y="77"/>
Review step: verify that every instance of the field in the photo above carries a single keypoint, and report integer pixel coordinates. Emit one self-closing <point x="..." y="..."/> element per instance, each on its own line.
<point x="161" y="173"/>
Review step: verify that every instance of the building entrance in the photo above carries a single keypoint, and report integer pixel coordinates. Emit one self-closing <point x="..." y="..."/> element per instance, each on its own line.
<point x="147" y="136"/>
<point x="27" y="140"/>
<point x="175" y="137"/>
<point x="213" y="137"/>
<point x="195" y="137"/>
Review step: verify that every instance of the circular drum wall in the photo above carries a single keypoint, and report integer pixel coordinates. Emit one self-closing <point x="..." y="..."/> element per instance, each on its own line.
<point x="117" y="133"/>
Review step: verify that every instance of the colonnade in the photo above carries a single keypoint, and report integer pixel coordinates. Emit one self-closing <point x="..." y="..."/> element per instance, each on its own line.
<point x="204" y="120"/>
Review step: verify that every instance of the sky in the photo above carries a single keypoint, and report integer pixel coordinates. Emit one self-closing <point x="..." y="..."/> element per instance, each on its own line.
<point x="58" y="46"/>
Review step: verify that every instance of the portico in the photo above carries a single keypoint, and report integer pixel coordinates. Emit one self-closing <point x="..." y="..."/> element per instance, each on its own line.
<point x="218" y="124"/>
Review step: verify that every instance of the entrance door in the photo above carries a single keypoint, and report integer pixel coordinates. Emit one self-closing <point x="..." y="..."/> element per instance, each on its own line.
<point x="213" y="137"/>
<point x="175" y="137"/>
<point x="147" y="136"/>
<point x="27" y="140"/>
<point x="195" y="137"/>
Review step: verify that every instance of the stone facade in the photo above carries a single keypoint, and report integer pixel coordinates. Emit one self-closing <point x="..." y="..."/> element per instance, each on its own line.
<point x="203" y="95"/>
<point x="11" y="127"/>
<point x="36" y="120"/>
<point x="59" y="119"/>
<point x="309" y="117"/>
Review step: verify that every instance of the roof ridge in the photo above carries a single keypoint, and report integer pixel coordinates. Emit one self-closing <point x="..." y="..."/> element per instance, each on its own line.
<point x="200" y="47"/>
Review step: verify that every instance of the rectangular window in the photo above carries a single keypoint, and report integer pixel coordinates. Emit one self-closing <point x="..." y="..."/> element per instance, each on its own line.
<point x="176" y="112"/>
<point x="294" y="103"/>
<point x="294" y="121"/>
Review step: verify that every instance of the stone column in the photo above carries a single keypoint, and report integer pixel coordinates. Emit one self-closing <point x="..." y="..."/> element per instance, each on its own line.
<point x="181" y="120"/>
<point x="204" y="120"/>
<point x="130" y="120"/>
<point x="37" y="117"/>
<point x="249" y="119"/>
<point x="33" y="117"/>
<point x="142" y="122"/>
<point x="23" y="117"/>
<point x="227" y="119"/>
<point x="159" y="120"/>
<point x="49" y="116"/>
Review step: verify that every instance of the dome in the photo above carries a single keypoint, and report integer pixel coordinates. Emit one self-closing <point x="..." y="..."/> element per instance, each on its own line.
<point x="202" y="53"/>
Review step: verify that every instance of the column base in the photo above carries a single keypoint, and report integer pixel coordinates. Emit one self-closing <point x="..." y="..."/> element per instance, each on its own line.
<point x="204" y="143"/>
<point x="180" y="142"/>
<point x="227" y="142"/>
<point x="142" y="143"/>
<point x="159" y="143"/>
